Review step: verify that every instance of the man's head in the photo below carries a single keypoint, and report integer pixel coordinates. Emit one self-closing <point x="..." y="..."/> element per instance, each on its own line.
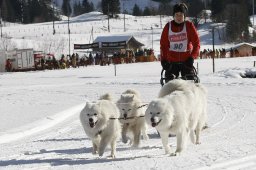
<point x="179" y="12"/>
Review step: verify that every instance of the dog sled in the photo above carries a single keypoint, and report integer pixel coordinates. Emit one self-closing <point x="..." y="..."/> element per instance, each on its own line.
<point x="194" y="76"/>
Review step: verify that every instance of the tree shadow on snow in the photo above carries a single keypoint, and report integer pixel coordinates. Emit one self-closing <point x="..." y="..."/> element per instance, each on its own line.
<point x="62" y="151"/>
<point x="154" y="136"/>
<point x="139" y="148"/>
<point x="89" y="77"/>
<point x="62" y="140"/>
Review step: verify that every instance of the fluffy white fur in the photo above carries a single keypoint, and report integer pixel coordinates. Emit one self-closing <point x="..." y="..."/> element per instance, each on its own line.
<point x="95" y="119"/>
<point x="132" y="116"/>
<point x="181" y="109"/>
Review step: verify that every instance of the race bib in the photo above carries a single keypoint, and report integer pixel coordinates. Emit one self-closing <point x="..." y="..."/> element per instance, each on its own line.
<point x="178" y="41"/>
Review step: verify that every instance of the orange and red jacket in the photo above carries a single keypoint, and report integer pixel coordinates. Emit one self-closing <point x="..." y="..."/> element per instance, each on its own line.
<point x="193" y="46"/>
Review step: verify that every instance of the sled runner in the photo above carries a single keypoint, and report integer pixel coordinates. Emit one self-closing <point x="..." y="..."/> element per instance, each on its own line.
<point x="194" y="76"/>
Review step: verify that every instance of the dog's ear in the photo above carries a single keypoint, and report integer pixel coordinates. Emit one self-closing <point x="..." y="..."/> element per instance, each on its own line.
<point x="88" y="104"/>
<point x="122" y="97"/>
<point x="130" y="96"/>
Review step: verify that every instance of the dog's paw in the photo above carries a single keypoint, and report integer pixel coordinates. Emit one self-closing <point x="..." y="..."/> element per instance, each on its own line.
<point x="175" y="154"/>
<point x="94" y="152"/>
<point x="172" y="135"/>
<point x="198" y="142"/>
<point x="135" y="146"/>
<point x="145" y="137"/>
<point x="168" y="151"/>
<point x="111" y="157"/>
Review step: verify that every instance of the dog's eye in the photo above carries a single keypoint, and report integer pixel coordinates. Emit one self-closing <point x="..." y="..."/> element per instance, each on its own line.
<point x="151" y="113"/>
<point x="129" y="109"/>
<point x="123" y="109"/>
<point x="88" y="114"/>
<point x="158" y="113"/>
<point x="95" y="114"/>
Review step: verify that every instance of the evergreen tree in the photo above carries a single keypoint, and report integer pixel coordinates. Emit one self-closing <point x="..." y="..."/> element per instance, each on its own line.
<point x="17" y="9"/>
<point x="8" y="13"/>
<point x="110" y="7"/>
<point x="47" y="11"/>
<point x="237" y="21"/>
<point x="232" y="23"/>
<point x="164" y="7"/>
<point x="92" y="7"/>
<point x="115" y="7"/>
<point x="147" y="11"/>
<point x="105" y="6"/>
<point x="163" y="1"/>
<point x="217" y="7"/>
<point x="27" y="11"/>
<point x="26" y="17"/>
<point x="86" y="6"/>
<point x="77" y="8"/>
<point x="154" y="11"/>
<point x="195" y="8"/>
<point x="35" y="11"/>
<point x="136" y="10"/>
<point x="66" y="8"/>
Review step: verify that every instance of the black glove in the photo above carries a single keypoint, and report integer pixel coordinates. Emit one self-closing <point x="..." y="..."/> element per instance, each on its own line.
<point x="189" y="62"/>
<point x="165" y="65"/>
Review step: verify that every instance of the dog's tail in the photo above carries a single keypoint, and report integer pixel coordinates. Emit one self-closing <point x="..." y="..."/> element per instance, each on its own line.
<point x="106" y="96"/>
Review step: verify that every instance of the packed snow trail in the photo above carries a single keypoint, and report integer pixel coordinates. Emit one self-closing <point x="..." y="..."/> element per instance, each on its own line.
<point x="225" y="144"/>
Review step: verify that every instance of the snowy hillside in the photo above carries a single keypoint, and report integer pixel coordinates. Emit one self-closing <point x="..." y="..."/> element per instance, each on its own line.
<point x="85" y="28"/>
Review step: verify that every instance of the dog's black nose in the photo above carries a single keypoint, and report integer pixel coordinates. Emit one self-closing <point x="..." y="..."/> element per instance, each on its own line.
<point x="125" y="115"/>
<point x="152" y="119"/>
<point x="90" y="120"/>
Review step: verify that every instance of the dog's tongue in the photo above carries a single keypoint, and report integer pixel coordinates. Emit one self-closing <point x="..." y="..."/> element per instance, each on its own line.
<point x="92" y="125"/>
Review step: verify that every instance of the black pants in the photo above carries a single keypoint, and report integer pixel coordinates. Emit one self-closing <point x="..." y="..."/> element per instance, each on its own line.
<point x="175" y="69"/>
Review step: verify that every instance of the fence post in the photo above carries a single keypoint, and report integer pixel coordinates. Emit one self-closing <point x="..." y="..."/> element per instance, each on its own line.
<point x="115" y="69"/>
<point x="197" y="67"/>
<point x="213" y="49"/>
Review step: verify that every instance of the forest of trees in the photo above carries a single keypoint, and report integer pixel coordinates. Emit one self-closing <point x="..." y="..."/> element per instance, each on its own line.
<point x="110" y="7"/>
<point x="27" y="11"/>
<point x="235" y="13"/>
<point x="84" y="7"/>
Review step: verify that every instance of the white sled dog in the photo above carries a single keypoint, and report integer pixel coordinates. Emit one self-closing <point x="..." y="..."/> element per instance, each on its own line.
<point x="181" y="110"/>
<point x="101" y="124"/>
<point x="132" y="113"/>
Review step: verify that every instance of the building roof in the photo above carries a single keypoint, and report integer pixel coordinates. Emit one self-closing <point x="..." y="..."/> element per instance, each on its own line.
<point x="239" y="45"/>
<point x="242" y="44"/>
<point x="115" y="38"/>
<point x="111" y="43"/>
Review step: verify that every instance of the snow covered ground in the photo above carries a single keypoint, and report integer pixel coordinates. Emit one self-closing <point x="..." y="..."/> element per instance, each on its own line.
<point x="40" y="126"/>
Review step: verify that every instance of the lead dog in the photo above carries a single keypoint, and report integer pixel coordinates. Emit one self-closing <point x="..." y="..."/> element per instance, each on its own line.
<point x="132" y="116"/>
<point x="181" y="110"/>
<point x="101" y="124"/>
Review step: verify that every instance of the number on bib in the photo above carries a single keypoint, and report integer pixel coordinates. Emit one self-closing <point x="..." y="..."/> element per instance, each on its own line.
<point x="178" y="46"/>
